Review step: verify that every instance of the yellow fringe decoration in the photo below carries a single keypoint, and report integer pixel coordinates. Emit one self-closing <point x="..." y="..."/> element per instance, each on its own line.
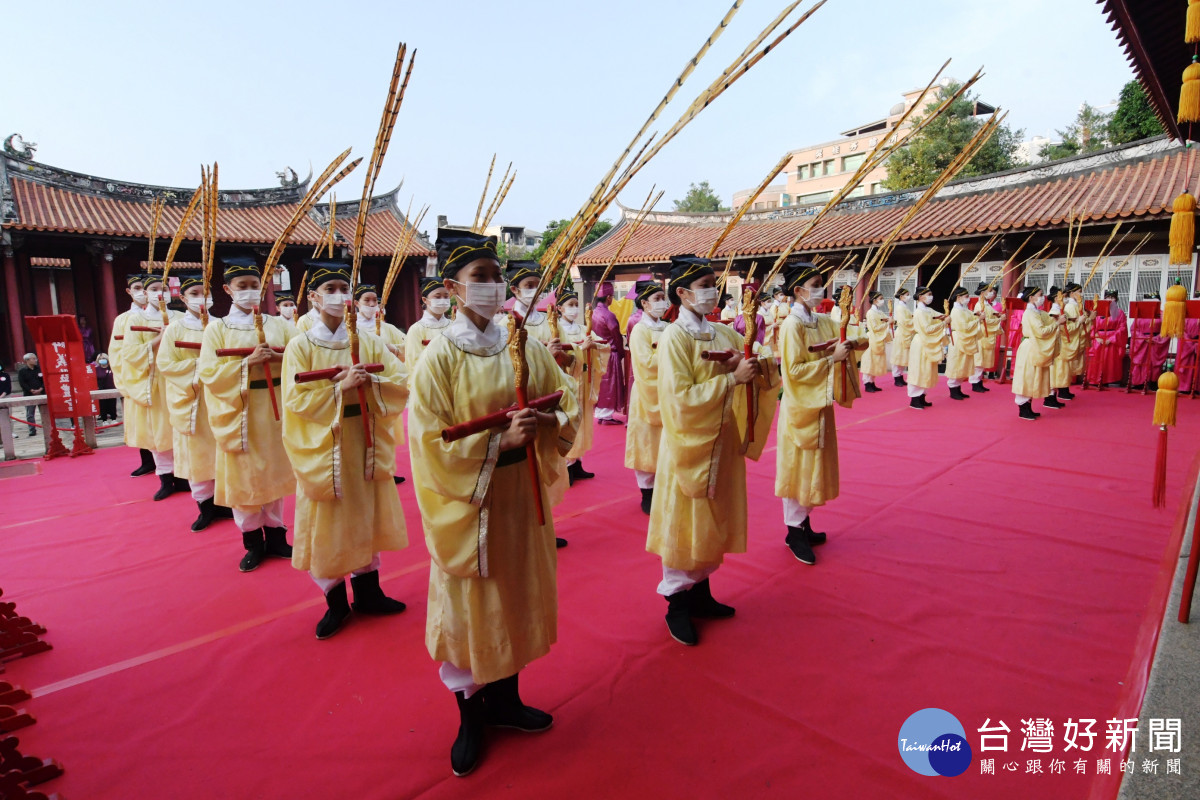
<point x="1191" y="32"/>
<point x="1174" y="311"/>
<point x="1183" y="228"/>
<point x="1189" y="94"/>
<point x="1164" y="399"/>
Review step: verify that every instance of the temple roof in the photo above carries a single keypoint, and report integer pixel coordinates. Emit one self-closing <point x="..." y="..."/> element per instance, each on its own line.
<point x="38" y="197"/>
<point x="1151" y="31"/>
<point x="1134" y="181"/>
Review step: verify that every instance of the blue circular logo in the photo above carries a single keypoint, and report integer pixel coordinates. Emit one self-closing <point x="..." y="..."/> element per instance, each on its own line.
<point x="933" y="742"/>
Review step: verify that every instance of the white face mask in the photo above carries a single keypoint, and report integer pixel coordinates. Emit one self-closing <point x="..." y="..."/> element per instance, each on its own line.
<point x="368" y="312"/>
<point x="527" y="296"/>
<point x="927" y="299"/>
<point x="155" y="296"/>
<point x="139" y="297"/>
<point x="570" y="314"/>
<point x="705" y="300"/>
<point x="245" y="298"/>
<point x="334" y="304"/>
<point x="658" y="308"/>
<point x="287" y="312"/>
<point x="485" y="299"/>
<point x="816" y="294"/>
<point x="195" y="303"/>
<point x="439" y="305"/>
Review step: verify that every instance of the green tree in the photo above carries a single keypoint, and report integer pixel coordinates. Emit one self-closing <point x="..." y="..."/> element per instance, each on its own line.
<point x="1134" y="118"/>
<point x="700" y="197"/>
<point x="1087" y="134"/>
<point x="556" y="226"/>
<point x="932" y="150"/>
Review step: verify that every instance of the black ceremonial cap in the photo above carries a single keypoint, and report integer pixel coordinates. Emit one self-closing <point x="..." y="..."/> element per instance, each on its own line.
<point x="456" y="249"/>
<point x="685" y="270"/>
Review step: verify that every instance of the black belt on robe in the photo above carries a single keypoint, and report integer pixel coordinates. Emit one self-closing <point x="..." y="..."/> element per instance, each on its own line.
<point x="509" y="457"/>
<point x="352" y="411"/>
<point x="261" y="383"/>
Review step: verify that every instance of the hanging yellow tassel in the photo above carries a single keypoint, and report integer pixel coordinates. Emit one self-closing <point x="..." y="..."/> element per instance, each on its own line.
<point x="1191" y="32"/>
<point x="1174" y="312"/>
<point x="1165" y="397"/>
<point x="1189" y="94"/>
<point x="1183" y="228"/>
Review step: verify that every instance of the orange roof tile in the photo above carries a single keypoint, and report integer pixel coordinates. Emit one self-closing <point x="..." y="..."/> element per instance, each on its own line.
<point x="1092" y="186"/>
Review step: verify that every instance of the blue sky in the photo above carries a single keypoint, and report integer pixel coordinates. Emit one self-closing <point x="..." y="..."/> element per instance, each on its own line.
<point x="148" y="91"/>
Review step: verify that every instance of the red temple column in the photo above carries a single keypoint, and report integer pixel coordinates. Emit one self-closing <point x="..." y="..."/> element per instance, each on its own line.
<point x="16" y="324"/>
<point x="108" y="297"/>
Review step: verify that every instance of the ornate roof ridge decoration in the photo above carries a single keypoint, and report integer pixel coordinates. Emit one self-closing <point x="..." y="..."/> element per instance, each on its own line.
<point x="1111" y="157"/>
<point x="80" y="183"/>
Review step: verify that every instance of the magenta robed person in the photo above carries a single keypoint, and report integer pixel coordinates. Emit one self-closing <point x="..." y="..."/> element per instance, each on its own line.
<point x="614" y="391"/>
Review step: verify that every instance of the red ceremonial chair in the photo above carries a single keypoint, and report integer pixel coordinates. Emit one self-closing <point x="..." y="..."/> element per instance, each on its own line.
<point x="1140" y="309"/>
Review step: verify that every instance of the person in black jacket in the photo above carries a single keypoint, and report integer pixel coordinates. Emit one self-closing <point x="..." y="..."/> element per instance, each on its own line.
<point x="30" y="378"/>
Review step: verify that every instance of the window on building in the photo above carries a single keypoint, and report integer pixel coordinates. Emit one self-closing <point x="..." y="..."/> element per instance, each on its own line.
<point x="787" y="200"/>
<point x="816" y="197"/>
<point x="851" y="163"/>
<point x="857" y="191"/>
<point x="827" y="167"/>
<point x="876" y="188"/>
<point x="802" y="172"/>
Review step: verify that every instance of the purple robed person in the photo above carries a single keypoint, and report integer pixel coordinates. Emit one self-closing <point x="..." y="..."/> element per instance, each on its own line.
<point x="614" y="393"/>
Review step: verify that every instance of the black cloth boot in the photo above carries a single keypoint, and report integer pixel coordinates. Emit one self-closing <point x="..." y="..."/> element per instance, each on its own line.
<point x="256" y="550"/>
<point x="398" y="479"/>
<point x="208" y="512"/>
<point x="1065" y="394"/>
<point x="182" y="485"/>
<point x="576" y="472"/>
<point x="147" y="465"/>
<point x="559" y="542"/>
<point x="956" y="393"/>
<point x="502" y="708"/>
<point x="1052" y="402"/>
<point x="869" y="386"/>
<point x="916" y="403"/>
<point x="222" y="512"/>
<point x="1025" y="411"/>
<point x="369" y="597"/>
<point x="701" y="603"/>
<point x="647" y="499"/>
<point x="925" y="401"/>
<point x="338" y="610"/>
<point x="814" y="537"/>
<point x="797" y="542"/>
<point x="166" y="487"/>
<point x="899" y="380"/>
<point x="468" y="745"/>
<point x="979" y="388"/>
<point x="679" y="619"/>
<point x="277" y="542"/>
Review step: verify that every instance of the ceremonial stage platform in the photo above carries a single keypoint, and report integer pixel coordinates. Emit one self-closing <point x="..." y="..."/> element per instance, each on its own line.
<point x="976" y="563"/>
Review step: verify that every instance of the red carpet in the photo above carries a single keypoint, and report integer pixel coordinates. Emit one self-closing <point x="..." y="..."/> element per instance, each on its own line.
<point x="979" y="564"/>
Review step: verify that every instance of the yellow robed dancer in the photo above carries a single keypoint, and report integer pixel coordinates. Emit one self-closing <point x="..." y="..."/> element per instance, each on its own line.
<point x="135" y="287"/>
<point x="1072" y="346"/>
<point x="253" y="473"/>
<point x="192" y="437"/>
<point x="818" y="372"/>
<point x="1031" y="370"/>
<point x="577" y="344"/>
<point x="925" y="352"/>
<point x="902" y="335"/>
<point x="347" y="510"/>
<point x="147" y="418"/>
<point x="644" y="428"/>
<point x="493" y="604"/>
<point x="285" y="304"/>
<point x="698" y="514"/>
<point x="879" y="333"/>
<point x="435" y="302"/>
<point x="991" y="323"/>
<point x="965" y="333"/>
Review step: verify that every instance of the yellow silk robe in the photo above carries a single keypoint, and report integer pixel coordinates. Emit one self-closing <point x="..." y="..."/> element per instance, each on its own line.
<point x="252" y="467"/>
<point x="587" y="387"/>
<point x="925" y="352"/>
<point x="347" y="508"/>
<point x="115" y="341"/>
<point x="493" y="603"/>
<point x="306" y="321"/>
<point x="424" y="330"/>
<point x="389" y="333"/>
<point x="1071" y="348"/>
<point x="1080" y="339"/>
<point x="879" y="333"/>
<point x="147" y="419"/>
<point x="989" y="331"/>
<point x="904" y="334"/>
<point x="965" y="332"/>
<point x="806" y="455"/>
<point x="1031" y="373"/>
<point x="644" y="428"/>
<point x="699" y="509"/>
<point x="193" y="442"/>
